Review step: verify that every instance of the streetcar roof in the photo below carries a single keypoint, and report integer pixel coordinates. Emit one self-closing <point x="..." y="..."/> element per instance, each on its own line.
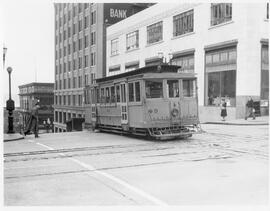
<point x="143" y="70"/>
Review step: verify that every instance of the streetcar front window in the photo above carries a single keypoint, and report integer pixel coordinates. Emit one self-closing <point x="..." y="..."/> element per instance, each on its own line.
<point x="154" y="89"/>
<point x="189" y="88"/>
<point x="173" y="87"/>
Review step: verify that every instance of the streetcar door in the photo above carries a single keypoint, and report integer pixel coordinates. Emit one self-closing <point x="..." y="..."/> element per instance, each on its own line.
<point x="123" y="104"/>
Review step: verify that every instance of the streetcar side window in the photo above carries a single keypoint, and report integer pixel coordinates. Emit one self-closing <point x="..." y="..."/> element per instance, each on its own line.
<point x="130" y="92"/>
<point x="102" y="100"/>
<point x="117" y="93"/>
<point x="137" y="91"/>
<point x="112" y="94"/>
<point x="97" y="95"/>
<point x="123" y="92"/>
<point x="107" y="95"/>
<point x="154" y="89"/>
<point x="189" y="89"/>
<point x="173" y="88"/>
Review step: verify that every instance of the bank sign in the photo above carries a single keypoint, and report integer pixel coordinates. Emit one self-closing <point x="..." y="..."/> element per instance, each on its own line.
<point x="115" y="12"/>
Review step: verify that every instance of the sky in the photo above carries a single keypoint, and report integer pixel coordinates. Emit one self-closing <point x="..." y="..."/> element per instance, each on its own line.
<point x="28" y="36"/>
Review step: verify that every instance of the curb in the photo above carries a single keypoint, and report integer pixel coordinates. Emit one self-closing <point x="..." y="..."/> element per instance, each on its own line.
<point x="14" y="139"/>
<point x="240" y="124"/>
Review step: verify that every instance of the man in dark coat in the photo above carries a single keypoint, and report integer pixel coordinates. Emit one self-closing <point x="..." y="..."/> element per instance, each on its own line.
<point x="32" y="122"/>
<point x="250" y="109"/>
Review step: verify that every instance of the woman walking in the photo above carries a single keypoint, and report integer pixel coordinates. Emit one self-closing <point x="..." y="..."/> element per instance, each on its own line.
<point x="223" y="108"/>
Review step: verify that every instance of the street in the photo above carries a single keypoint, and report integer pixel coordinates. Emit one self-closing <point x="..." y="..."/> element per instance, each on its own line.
<point x="227" y="165"/>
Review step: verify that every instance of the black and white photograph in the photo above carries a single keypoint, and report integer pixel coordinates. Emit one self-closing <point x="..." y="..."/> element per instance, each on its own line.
<point x="135" y="104"/>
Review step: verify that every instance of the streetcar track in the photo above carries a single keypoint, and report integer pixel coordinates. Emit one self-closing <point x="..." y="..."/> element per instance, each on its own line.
<point x="87" y="170"/>
<point x="82" y="155"/>
<point x="71" y="150"/>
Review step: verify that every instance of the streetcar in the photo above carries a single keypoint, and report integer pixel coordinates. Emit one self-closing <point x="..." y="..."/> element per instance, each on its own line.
<point x="158" y="101"/>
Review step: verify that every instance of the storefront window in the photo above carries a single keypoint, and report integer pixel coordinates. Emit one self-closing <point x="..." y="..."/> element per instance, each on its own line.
<point x="189" y="89"/>
<point x="154" y="89"/>
<point x="221" y="85"/>
<point x="173" y="87"/>
<point x="265" y="73"/>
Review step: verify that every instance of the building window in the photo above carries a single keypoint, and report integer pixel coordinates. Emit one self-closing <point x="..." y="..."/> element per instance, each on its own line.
<point x="133" y="40"/>
<point x="74" y="46"/>
<point x="186" y="62"/>
<point x="74" y="11"/>
<point x="65" y="67"/>
<point x="86" y="41"/>
<point x="69" y="83"/>
<point x="154" y="88"/>
<point x="131" y="67"/>
<point x="69" y="49"/>
<point x="86" y="21"/>
<point x="80" y="7"/>
<point x="93" y="38"/>
<point x="183" y="23"/>
<point x="74" y="100"/>
<point x="114" y="69"/>
<point x="267" y="11"/>
<point x="86" y="79"/>
<point x="86" y="61"/>
<point x="80" y="62"/>
<point x="93" y="59"/>
<point x="154" y="32"/>
<point x="80" y="44"/>
<point x="79" y="81"/>
<point x="80" y="25"/>
<point x="65" y="50"/>
<point x="220" y="13"/>
<point x="74" y="82"/>
<point x="69" y="15"/>
<point x="173" y="88"/>
<point x="74" y="64"/>
<point x="93" y="17"/>
<point x="69" y="66"/>
<point x="69" y="32"/>
<point x="265" y="73"/>
<point x="74" y="28"/>
<point x="114" y="47"/>
<point x="68" y="100"/>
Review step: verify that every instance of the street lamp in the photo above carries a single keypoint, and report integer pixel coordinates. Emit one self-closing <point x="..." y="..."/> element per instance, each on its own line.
<point x="4" y="56"/>
<point x="10" y="105"/>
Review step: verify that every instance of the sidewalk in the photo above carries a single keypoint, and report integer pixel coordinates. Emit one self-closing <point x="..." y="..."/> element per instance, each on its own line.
<point x="260" y="120"/>
<point x="12" y="137"/>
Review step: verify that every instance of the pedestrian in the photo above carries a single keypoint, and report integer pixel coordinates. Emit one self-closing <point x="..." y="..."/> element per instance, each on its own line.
<point x="223" y="108"/>
<point x="250" y="111"/>
<point x="32" y="122"/>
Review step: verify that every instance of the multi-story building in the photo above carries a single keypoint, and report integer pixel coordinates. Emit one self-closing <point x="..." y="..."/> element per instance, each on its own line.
<point x="80" y="58"/>
<point x="226" y="44"/>
<point x="31" y="92"/>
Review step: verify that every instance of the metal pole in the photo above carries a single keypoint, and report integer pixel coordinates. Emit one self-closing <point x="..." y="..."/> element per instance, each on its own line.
<point x="9" y="86"/>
